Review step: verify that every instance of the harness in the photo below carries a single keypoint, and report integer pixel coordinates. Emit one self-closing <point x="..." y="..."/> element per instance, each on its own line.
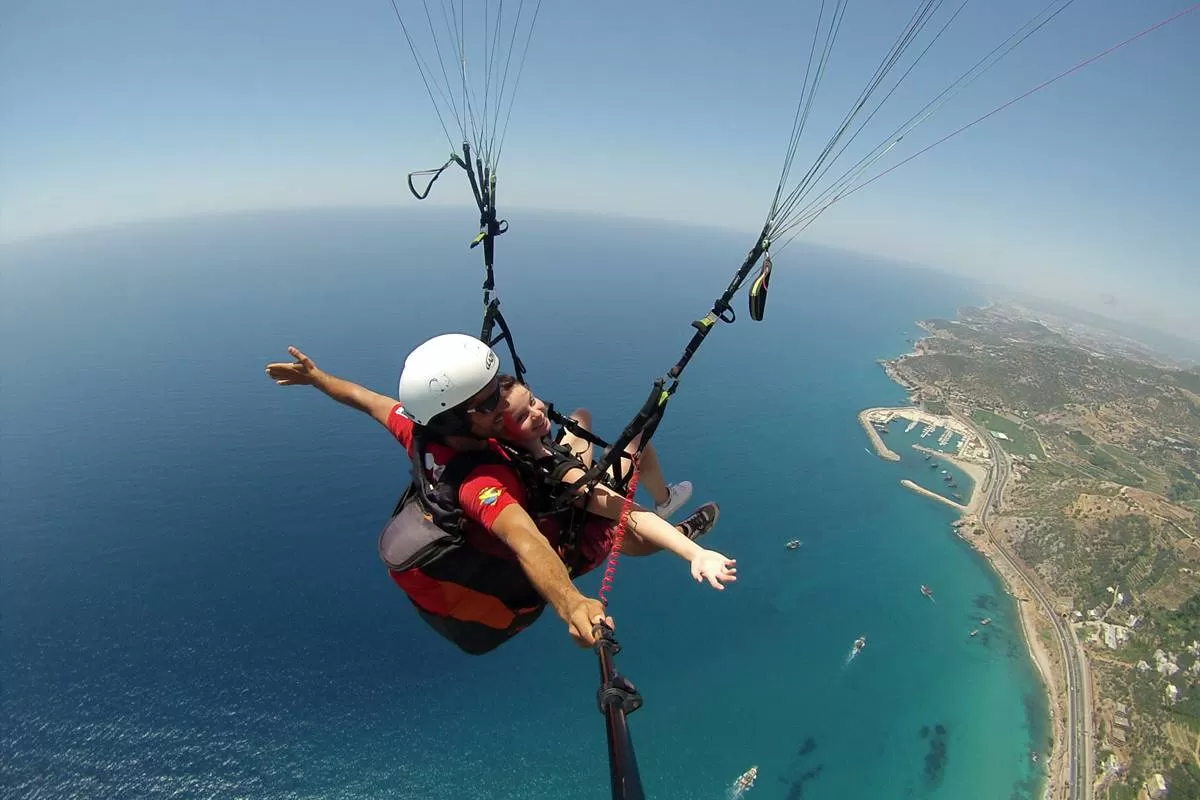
<point x="545" y="475"/>
<point x="473" y="598"/>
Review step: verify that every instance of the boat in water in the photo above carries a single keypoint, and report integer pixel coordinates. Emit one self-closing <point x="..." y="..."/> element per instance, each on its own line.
<point x="925" y="590"/>
<point x="986" y="621"/>
<point x="859" y="644"/>
<point x="794" y="544"/>
<point x="744" y="783"/>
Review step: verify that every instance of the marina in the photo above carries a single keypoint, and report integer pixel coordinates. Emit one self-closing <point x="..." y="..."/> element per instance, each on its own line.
<point x="968" y="446"/>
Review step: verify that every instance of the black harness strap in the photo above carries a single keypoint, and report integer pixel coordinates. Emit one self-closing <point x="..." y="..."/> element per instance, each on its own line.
<point x="483" y="187"/>
<point x="647" y="419"/>
<point x="543" y="478"/>
<point x="721" y="309"/>
<point x="436" y="173"/>
<point x="574" y="427"/>
<point x="491" y="318"/>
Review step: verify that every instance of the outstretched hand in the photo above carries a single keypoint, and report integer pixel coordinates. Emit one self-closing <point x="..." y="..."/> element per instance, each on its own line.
<point x="715" y="568"/>
<point x="301" y="372"/>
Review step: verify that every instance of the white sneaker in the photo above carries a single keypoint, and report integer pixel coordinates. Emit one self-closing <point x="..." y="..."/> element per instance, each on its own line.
<point x="677" y="495"/>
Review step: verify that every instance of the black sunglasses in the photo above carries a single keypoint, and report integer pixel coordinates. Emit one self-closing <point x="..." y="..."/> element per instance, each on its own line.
<point x="488" y="404"/>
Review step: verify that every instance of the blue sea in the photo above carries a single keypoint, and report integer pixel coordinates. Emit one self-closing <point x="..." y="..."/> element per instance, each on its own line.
<point x="192" y="601"/>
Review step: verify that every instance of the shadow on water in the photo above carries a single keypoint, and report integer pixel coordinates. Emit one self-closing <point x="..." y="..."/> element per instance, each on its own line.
<point x="985" y="602"/>
<point x="798" y="775"/>
<point x="936" y="757"/>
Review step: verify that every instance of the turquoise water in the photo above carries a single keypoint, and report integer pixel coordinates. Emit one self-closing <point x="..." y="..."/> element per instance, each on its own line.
<point x="193" y="605"/>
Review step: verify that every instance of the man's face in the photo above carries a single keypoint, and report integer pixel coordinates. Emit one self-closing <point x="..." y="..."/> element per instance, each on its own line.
<point x="485" y="415"/>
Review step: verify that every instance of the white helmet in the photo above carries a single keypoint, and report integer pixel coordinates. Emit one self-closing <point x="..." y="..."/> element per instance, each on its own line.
<point x="443" y="373"/>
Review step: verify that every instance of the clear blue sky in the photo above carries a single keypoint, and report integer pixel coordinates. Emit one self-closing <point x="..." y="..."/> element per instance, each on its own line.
<point x="665" y="109"/>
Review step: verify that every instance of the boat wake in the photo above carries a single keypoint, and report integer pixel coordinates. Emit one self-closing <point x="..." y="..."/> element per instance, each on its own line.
<point x="859" y="644"/>
<point x="743" y="784"/>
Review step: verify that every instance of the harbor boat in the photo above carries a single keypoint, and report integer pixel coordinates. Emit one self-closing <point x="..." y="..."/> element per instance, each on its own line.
<point x="746" y="780"/>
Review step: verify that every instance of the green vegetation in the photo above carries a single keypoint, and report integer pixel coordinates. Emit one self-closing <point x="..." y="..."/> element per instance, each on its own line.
<point x="1122" y="792"/>
<point x="1080" y="438"/>
<point x="1183" y="623"/>
<point x="1103" y="458"/>
<point x="1184" y="780"/>
<point x="1098" y="420"/>
<point x="1053" y="469"/>
<point x="1185" y="484"/>
<point x="1022" y="441"/>
<point x="938" y="407"/>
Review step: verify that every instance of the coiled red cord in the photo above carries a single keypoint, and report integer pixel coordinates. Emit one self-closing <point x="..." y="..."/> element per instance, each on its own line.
<point x="611" y="570"/>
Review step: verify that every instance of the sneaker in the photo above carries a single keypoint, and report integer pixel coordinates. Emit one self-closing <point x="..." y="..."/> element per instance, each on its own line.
<point x="700" y="522"/>
<point x="677" y="495"/>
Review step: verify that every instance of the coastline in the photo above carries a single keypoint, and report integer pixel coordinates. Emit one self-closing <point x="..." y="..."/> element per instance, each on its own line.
<point x="973" y="530"/>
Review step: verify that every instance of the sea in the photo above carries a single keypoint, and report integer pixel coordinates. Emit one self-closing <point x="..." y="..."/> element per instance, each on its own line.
<point x="191" y="600"/>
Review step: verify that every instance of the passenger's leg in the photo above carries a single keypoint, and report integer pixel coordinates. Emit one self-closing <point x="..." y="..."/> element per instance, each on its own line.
<point x="667" y="498"/>
<point x="581" y="447"/>
<point x="651" y="471"/>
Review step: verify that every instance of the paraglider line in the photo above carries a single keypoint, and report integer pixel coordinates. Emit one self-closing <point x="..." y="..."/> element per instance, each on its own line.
<point x="1037" y="88"/>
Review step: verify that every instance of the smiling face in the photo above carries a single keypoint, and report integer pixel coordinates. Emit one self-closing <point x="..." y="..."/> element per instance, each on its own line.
<point x="525" y="416"/>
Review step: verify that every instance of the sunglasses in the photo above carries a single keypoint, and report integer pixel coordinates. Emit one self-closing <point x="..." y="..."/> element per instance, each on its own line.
<point x="488" y="404"/>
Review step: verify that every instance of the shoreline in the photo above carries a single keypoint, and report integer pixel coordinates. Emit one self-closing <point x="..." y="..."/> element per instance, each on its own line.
<point x="971" y="529"/>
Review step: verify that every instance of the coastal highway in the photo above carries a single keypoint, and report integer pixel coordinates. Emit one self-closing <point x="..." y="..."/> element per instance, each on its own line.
<point x="1079" y="718"/>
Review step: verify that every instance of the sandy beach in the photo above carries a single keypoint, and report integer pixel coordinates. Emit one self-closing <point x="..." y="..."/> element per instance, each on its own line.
<point x="1035" y="627"/>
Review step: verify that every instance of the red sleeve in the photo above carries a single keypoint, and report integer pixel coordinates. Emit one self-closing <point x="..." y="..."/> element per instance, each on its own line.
<point x="487" y="491"/>
<point x="401" y="427"/>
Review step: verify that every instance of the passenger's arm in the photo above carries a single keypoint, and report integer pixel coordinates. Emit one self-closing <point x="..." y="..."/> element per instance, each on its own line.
<point x="653" y="529"/>
<point x="304" y="372"/>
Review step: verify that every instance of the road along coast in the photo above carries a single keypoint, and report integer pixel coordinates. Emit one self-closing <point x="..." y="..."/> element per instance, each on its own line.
<point x="976" y="455"/>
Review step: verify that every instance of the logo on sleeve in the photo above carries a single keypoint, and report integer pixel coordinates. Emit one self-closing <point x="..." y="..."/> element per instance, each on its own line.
<point x="490" y="496"/>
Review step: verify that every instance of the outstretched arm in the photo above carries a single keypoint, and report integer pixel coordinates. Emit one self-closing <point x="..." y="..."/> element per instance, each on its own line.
<point x="650" y="527"/>
<point x="654" y="533"/>
<point x="304" y="372"/>
<point x="548" y="574"/>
